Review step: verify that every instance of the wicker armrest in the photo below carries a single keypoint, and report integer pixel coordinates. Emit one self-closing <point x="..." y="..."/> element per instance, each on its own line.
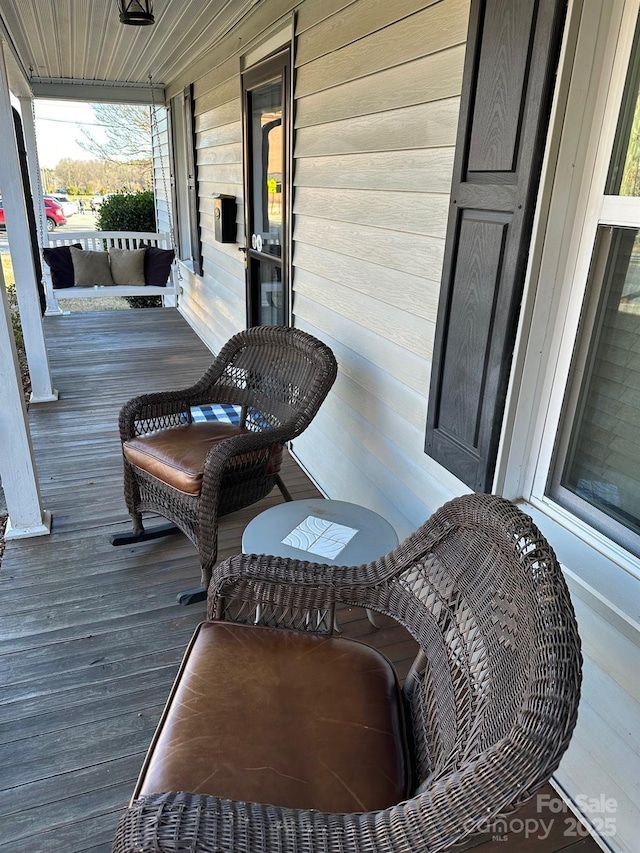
<point x="281" y="590"/>
<point x="170" y="821"/>
<point x="164" y="409"/>
<point x="231" y="451"/>
<point x="304" y="584"/>
<point x="152" y="411"/>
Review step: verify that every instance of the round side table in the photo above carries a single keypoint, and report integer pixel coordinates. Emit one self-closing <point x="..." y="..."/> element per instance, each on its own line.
<point x="323" y="531"/>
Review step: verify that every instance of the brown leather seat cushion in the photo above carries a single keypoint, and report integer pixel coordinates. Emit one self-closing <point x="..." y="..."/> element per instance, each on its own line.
<point x="281" y="717"/>
<point x="177" y="456"/>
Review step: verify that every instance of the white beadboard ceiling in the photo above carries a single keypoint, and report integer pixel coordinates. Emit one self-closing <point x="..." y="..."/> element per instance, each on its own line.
<point x="79" y="43"/>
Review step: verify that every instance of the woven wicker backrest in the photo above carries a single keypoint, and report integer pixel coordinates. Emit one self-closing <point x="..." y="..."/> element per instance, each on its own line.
<point x="485" y="597"/>
<point x="278" y="374"/>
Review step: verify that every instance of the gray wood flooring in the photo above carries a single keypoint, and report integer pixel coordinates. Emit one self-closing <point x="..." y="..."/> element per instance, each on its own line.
<point x="91" y="635"/>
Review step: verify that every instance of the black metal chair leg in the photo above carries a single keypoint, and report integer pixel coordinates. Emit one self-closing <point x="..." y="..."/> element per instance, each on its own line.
<point x="132" y="538"/>
<point x="286" y="494"/>
<point x="192" y="596"/>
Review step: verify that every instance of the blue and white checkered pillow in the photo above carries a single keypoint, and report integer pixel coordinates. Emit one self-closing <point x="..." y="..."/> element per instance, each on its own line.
<point x="217" y="412"/>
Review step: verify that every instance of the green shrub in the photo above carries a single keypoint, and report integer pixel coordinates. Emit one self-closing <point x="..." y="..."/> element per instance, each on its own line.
<point x="127" y="212"/>
<point x="144" y="301"/>
<point x="130" y="212"/>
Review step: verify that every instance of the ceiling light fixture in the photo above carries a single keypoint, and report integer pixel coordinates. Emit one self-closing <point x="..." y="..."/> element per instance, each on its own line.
<point x="138" y="13"/>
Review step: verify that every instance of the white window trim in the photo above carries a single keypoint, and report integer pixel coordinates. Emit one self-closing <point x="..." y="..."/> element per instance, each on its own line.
<point x="280" y="35"/>
<point x="601" y="34"/>
<point x="179" y="140"/>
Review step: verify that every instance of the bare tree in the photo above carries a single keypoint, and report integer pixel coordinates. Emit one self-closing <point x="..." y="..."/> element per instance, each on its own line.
<point x="128" y="133"/>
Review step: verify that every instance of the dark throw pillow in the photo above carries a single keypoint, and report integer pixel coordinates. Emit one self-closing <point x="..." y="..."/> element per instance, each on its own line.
<point x="157" y="265"/>
<point x="59" y="261"/>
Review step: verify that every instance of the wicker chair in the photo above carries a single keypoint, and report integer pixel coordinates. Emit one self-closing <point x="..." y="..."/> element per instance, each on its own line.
<point x="490" y="703"/>
<point x="193" y="473"/>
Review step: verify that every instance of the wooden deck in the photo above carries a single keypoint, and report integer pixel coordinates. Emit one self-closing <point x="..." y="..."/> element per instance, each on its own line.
<point x="91" y="635"/>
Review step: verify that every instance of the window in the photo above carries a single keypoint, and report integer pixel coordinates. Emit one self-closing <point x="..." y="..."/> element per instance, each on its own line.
<point x="596" y="469"/>
<point x="187" y="225"/>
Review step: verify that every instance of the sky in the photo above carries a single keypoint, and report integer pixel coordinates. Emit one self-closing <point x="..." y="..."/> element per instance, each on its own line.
<point x="57" y="129"/>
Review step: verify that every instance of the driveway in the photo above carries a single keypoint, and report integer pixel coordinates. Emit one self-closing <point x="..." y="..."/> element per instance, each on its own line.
<point x="77" y="222"/>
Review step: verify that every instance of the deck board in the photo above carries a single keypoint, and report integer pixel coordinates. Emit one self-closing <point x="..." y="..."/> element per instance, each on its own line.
<point x="91" y="636"/>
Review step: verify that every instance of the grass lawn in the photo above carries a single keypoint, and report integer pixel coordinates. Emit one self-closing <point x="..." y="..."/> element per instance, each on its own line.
<point x="7" y="270"/>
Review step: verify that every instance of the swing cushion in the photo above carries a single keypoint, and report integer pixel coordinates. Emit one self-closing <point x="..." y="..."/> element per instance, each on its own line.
<point x="127" y="265"/>
<point x="58" y="259"/>
<point x="91" y="269"/>
<point x="157" y="265"/>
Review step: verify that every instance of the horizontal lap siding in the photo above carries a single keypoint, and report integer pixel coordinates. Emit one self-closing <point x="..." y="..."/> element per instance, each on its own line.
<point x="604" y="753"/>
<point x="366" y="407"/>
<point x="215" y="303"/>
<point x="377" y="98"/>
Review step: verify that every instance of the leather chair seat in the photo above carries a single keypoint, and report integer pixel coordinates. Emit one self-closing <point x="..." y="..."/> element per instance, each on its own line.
<point x="283" y="718"/>
<point x="177" y="455"/>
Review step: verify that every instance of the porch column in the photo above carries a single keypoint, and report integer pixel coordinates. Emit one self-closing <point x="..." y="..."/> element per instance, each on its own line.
<point x="37" y="190"/>
<point x="18" y="233"/>
<point x="17" y="465"/>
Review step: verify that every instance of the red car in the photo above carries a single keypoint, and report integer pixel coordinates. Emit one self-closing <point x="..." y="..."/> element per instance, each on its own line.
<point x="55" y="216"/>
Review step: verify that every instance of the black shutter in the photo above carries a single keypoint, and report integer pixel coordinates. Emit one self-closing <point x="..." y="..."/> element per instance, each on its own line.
<point x="509" y="74"/>
<point x="192" y="179"/>
<point x="31" y="216"/>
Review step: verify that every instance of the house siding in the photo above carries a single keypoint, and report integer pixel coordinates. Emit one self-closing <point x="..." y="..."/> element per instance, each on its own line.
<point x="377" y="100"/>
<point x="215" y="302"/>
<point x="603" y="759"/>
<point x="601" y="769"/>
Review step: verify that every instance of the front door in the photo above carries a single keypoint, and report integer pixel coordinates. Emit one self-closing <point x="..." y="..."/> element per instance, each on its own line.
<point x="266" y="176"/>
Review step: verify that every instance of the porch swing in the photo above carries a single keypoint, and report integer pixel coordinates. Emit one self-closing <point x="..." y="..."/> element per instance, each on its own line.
<point x="95" y="264"/>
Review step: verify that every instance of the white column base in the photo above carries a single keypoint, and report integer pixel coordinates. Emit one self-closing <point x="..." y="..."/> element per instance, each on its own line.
<point x="50" y="398"/>
<point x="53" y="312"/>
<point x="27" y="532"/>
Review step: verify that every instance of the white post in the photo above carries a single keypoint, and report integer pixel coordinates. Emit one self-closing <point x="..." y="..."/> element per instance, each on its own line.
<point x="17" y="225"/>
<point x="17" y="465"/>
<point x="29" y="128"/>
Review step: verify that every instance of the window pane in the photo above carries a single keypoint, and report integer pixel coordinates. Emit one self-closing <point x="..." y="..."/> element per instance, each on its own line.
<point x="267" y="167"/>
<point x="624" y="171"/>
<point x="602" y="465"/>
<point x="270" y="307"/>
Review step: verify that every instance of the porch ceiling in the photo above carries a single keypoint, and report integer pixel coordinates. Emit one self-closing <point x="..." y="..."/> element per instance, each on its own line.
<point x="69" y="45"/>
